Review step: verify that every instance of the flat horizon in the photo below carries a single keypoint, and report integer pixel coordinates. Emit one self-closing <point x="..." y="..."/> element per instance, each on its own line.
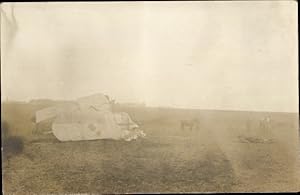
<point x="149" y="106"/>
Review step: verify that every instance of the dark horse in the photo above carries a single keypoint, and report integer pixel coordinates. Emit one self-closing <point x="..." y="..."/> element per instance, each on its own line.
<point x="191" y="124"/>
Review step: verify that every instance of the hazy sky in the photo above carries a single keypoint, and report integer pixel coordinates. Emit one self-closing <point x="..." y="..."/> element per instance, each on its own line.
<point x="210" y="55"/>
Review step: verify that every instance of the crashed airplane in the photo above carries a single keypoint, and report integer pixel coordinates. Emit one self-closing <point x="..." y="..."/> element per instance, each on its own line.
<point x="89" y="118"/>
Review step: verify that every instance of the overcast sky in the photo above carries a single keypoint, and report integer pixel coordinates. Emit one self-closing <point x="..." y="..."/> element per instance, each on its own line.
<point x="209" y="55"/>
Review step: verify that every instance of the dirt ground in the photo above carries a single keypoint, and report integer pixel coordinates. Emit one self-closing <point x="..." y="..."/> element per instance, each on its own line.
<point x="213" y="158"/>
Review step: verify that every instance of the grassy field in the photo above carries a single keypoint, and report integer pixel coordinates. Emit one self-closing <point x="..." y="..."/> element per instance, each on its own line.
<point x="168" y="159"/>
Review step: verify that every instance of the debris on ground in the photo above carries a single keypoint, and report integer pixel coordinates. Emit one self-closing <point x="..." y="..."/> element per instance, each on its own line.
<point x="248" y="139"/>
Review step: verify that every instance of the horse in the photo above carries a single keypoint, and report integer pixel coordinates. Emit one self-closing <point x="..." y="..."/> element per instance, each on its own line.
<point x="191" y="123"/>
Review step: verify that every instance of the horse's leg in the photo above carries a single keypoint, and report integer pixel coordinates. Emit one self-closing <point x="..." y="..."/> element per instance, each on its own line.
<point x="197" y="127"/>
<point x="35" y="128"/>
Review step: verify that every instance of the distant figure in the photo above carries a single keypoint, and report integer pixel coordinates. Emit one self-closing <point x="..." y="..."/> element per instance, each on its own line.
<point x="35" y="127"/>
<point x="265" y="123"/>
<point x="191" y="124"/>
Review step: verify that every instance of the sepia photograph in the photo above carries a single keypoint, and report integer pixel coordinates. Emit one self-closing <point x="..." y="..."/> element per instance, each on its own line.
<point x="141" y="97"/>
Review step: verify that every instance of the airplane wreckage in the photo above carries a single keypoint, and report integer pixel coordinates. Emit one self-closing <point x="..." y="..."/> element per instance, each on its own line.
<point x="89" y="118"/>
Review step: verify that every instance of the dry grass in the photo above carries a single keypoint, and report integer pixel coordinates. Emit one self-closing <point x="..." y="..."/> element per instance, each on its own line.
<point x="166" y="160"/>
